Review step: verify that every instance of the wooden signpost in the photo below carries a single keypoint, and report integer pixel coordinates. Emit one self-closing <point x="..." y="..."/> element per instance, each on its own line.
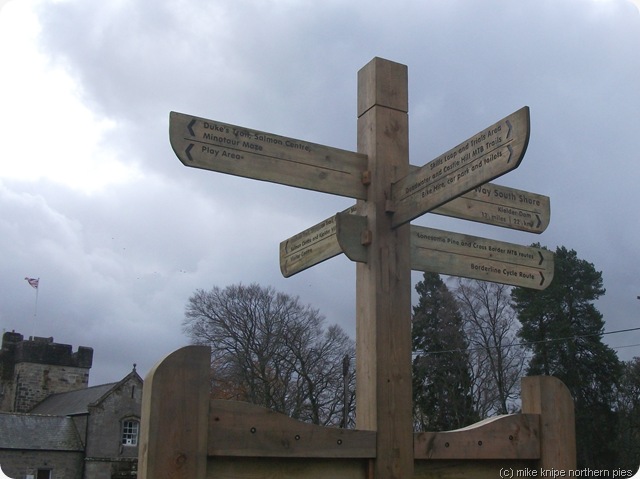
<point x="344" y="232"/>
<point x="239" y="151"/>
<point x="432" y="250"/>
<point x="473" y="257"/>
<point x="376" y="234"/>
<point x="489" y="204"/>
<point x="488" y="154"/>
<point x="501" y="206"/>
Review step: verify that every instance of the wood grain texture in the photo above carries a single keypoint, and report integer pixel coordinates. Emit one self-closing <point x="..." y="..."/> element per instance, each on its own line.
<point x="551" y="399"/>
<point x="271" y="468"/>
<point x="503" y="437"/>
<point x="235" y="150"/>
<point x="184" y="434"/>
<point x="247" y="430"/>
<point x="383" y="284"/>
<point x="454" y="469"/>
<point x="488" y="154"/>
<point x="175" y="403"/>
<point x="502" y="206"/>
<point x="474" y="257"/>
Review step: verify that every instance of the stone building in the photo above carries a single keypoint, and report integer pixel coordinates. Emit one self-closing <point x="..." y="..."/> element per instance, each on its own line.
<point x="39" y="447"/>
<point x="32" y="370"/>
<point x="52" y="425"/>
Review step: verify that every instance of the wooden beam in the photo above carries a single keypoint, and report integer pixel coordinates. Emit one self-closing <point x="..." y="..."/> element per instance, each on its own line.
<point x="175" y="405"/>
<point x="294" y="468"/>
<point x="551" y="399"/>
<point x="485" y="469"/>
<point x="501" y="437"/>
<point x="236" y="150"/>
<point x="488" y="154"/>
<point x="247" y="430"/>
<point x="383" y="284"/>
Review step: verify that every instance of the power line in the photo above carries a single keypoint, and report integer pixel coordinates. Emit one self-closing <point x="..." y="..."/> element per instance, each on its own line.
<point x="621" y="331"/>
<point x="625" y="346"/>
<point x="531" y="343"/>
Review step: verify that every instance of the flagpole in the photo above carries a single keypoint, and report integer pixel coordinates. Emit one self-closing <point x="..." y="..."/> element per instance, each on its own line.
<point x="35" y="310"/>
<point x="35" y="284"/>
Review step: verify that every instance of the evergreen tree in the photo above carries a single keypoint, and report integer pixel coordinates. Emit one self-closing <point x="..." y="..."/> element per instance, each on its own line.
<point x="564" y="331"/>
<point x="628" y="409"/>
<point x="441" y="376"/>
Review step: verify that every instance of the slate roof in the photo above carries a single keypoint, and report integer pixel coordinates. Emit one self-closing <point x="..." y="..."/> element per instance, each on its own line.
<point x="72" y="403"/>
<point x="46" y="433"/>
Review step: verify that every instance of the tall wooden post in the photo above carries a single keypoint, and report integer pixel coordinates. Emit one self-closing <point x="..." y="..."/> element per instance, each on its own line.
<point x="551" y="399"/>
<point x="383" y="305"/>
<point x="175" y="412"/>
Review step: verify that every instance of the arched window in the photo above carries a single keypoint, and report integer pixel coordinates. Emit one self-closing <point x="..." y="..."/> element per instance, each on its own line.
<point x="130" y="429"/>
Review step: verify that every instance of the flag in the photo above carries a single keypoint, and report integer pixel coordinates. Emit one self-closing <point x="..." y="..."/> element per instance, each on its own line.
<point x="33" y="282"/>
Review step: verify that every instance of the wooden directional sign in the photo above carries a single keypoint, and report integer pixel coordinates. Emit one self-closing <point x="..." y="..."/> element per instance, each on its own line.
<point x="432" y="250"/>
<point x="342" y="232"/>
<point x="310" y="247"/>
<point x="483" y="157"/>
<point x="501" y="206"/>
<point x="490" y="204"/>
<point x="213" y="145"/>
<point x="479" y="258"/>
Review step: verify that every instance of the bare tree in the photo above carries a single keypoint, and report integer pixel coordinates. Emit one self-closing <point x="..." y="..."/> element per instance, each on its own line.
<point x="268" y="349"/>
<point x="317" y="361"/>
<point x="497" y="359"/>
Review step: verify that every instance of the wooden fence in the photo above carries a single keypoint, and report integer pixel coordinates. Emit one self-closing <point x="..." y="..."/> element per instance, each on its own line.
<point x="185" y="434"/>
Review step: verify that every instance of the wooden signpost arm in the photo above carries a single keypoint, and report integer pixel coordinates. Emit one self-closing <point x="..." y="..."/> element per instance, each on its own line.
<point x="383" y="327"/>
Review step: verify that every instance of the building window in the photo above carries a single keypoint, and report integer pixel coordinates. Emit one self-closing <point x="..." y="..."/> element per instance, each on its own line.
<point x="43" y="474"/>
<point x="130" y="428"/>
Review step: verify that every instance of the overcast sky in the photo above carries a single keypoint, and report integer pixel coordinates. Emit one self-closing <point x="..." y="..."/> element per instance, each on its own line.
<point x="94" y="202"/>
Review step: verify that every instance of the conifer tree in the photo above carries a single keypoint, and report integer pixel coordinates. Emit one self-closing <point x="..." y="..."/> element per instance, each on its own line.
<point x="441" y="376"/>
<point x="628" y="409"/>
<point x="563" y="330"/>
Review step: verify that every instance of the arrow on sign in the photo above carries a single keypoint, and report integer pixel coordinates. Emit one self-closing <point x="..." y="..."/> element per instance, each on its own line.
<point x="483" y="157"/>
<point x="187" y="152"/>
<point x="343" y="232"/>
<point x="456" y="254"/>
<point x="432" y="250"/>
<point x="501" y="206"/>
<point x="190" y="127"/>
<point x="217" y="146"/>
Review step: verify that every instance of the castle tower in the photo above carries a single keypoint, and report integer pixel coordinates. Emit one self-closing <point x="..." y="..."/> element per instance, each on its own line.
<point x="31" y="370"/>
